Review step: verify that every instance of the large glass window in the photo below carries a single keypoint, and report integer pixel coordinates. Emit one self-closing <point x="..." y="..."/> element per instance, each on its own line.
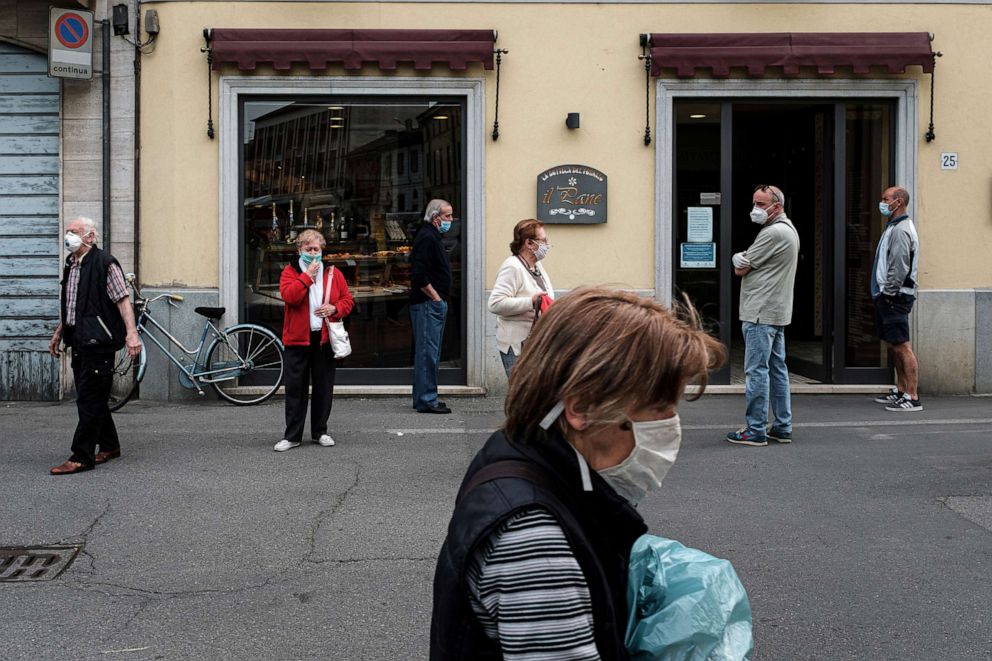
<point x="351" y="170"/>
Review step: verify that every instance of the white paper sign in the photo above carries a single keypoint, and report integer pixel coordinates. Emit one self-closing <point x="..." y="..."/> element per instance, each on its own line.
<point x="700" y="229"/>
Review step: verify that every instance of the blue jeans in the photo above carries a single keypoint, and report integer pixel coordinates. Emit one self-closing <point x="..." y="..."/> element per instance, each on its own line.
<point x="509" y="360"/>
<point x="766" y="377"/>
<point x="428" y="327"/>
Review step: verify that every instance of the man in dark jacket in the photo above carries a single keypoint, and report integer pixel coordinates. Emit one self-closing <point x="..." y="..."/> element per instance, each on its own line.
<point x="430" y="286"/>
<point x="96" y="321"/>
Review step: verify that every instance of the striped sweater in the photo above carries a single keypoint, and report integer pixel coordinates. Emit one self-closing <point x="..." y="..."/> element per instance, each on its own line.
<point x="528" y="591"/>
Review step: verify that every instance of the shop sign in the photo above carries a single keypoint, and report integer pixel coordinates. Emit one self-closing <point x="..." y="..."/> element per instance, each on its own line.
<point x="571" y="194"/>
<point x="70" y="43"/>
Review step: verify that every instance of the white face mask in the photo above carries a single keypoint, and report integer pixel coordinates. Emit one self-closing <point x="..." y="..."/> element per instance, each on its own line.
<point x="73" y="242"/>
<point x="759" y="215"/>
<point x="656" y="445"/>
<point x="542" y="251"/>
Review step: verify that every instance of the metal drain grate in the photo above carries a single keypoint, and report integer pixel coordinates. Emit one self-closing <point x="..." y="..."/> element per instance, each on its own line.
<point x="36" y="563"/>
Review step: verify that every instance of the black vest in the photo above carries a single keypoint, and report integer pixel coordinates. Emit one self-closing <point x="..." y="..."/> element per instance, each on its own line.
<point x="601" y="528"/>
<point x="99" y="326"/>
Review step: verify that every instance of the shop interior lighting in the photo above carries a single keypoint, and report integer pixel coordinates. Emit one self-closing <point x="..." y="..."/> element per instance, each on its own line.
<point x="440" y="117"/>
<point x="337" y="119"/>
<point x="697" y="116"/>
<point x="335" y="107"/>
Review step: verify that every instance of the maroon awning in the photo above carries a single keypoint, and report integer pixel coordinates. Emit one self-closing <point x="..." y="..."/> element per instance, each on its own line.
<point x="789" y="51"/>
<point x="282" y="48"/>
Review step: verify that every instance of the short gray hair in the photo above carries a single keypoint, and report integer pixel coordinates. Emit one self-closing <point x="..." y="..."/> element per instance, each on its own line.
<point x="89" y="225"/>
<point x="434" y="209"/>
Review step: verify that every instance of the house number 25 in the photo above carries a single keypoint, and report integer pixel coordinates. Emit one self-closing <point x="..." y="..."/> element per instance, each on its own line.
<point x="948" y="160"/>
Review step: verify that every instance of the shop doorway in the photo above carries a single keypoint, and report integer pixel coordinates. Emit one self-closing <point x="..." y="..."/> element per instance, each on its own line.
<point x="831" y="158"/>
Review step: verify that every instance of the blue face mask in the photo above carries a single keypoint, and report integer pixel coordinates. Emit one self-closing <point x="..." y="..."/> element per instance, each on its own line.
<point x="445" y="226"/>
<point x="884" y="208"/>
<point x="309" y="259"/>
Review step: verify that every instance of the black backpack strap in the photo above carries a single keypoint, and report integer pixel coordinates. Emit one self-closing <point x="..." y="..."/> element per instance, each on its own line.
<point x="503" y="469"/>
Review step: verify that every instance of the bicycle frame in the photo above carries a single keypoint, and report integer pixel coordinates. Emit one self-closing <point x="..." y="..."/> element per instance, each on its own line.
<point x="192" y="370"/>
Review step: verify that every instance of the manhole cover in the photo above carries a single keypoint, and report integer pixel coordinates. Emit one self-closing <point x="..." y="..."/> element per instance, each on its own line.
<point x="35" y="563"/>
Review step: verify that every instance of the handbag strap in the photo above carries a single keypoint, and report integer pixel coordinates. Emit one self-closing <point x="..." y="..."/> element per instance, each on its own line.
<point x="503" y="469"/>
<point x="328" y="283"/>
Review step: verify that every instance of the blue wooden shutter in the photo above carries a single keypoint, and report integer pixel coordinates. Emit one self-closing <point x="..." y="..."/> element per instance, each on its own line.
<point x="29" y="225"/>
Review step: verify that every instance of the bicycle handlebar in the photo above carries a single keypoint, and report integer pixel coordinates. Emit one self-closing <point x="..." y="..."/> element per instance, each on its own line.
<point x="131" y="281"/>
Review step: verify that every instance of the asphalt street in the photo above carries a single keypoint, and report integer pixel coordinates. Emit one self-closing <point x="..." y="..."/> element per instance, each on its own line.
<point x="869" y="537"/>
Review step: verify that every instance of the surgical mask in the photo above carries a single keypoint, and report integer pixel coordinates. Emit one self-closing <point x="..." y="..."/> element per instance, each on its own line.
<point x="542" y="251"/>
<point x="73" y="242"/>
<point x="309" y="259"/>
<point x="656" y="445"/>
<point x="884" y="208"/>
<point x="445" y="226"/>
<point x="759" y="215"/>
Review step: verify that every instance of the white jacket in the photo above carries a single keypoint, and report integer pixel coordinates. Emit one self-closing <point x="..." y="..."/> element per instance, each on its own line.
<point x="511" y="302"/>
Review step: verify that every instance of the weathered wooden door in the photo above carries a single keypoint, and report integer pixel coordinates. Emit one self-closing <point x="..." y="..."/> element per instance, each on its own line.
<point x="29" y="224"/>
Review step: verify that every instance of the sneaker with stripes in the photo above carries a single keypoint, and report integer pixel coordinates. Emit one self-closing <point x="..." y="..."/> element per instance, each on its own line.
<point x="904" y="403"/>
<point x="891" y="397"/>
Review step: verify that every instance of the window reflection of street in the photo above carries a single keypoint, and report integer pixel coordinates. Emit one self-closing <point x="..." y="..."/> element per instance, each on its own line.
<point x="360" y="174"/>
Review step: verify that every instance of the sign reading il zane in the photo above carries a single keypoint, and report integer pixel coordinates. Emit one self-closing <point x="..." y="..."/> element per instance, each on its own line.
<point x="571" y="194"/>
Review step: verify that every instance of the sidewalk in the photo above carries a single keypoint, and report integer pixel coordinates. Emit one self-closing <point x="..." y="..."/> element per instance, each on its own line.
<point x="867" y="538"/>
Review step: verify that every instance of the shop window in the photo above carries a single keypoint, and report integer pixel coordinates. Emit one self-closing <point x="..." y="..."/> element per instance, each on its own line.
<point x="340" y="167"/>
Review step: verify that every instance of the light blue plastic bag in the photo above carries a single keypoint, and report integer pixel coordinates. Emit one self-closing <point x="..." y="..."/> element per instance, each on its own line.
<point x="685" y="605"/>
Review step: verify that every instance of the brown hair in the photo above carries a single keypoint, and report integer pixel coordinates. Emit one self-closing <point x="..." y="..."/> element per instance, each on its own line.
<point x="525" y="229"/>
<point x="610" y="352"/>
<point x="307" y="236"/>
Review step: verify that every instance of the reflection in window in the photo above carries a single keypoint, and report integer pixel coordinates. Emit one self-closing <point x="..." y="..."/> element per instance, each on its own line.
<point x="341" y="168"/>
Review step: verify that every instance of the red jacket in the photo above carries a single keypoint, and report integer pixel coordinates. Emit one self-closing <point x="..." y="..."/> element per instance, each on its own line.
<point x="294" y="287"/>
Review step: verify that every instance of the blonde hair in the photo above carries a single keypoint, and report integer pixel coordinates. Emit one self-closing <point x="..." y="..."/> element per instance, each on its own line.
<point x="306" y="236"/>
<point x="609" y="352"/>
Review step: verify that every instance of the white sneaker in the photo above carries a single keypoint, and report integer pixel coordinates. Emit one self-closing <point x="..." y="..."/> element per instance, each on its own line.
<point x="325" y="441"/>
<point x="284" y="445"/>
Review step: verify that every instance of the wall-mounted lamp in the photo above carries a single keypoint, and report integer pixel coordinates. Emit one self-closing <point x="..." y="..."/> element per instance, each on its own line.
<point x="119" y="20"/>
<point x="572" y="120"/>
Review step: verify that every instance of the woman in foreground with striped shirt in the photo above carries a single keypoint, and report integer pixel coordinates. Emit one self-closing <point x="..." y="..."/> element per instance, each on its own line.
<point x="535" y="562"/>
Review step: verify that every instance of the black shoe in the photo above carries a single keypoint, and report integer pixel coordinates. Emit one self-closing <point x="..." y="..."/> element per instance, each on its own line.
<point x="440" y="407"/>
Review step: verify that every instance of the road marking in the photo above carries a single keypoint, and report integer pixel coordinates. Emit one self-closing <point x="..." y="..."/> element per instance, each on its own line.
<point x="802" y="425"/>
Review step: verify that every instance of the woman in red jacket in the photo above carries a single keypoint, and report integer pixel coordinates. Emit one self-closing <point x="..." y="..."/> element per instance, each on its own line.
<point x="313" y="295"/>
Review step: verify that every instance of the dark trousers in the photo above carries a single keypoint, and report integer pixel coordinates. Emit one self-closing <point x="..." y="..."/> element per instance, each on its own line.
<point x="94" y="376"/>
<point x="305" y="365"/>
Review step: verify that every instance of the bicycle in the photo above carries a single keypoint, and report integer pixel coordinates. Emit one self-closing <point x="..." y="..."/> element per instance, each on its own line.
<point x="230" y="363"/>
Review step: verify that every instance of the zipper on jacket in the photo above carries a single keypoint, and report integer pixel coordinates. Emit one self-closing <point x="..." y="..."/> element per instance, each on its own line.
<point x="105" y="329"/>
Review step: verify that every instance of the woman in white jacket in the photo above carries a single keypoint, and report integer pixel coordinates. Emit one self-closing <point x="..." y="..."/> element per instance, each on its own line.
<point x="519" y="284"/>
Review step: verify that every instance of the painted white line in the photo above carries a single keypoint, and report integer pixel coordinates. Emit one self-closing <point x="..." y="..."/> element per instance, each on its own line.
<point x="846" y="424"/>
<point x="129" y="649"/>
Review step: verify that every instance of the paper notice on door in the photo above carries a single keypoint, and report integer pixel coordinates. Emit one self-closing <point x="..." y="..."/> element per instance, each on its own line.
<point x="700" y="229"/>
<point x="698" y="256"/>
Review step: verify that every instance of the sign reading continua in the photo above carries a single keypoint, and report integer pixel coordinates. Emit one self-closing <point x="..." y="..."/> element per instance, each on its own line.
<point x="70" y="43"/>
<point x="571" y="194"/>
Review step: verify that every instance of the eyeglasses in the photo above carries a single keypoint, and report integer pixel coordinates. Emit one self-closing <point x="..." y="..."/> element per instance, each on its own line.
<point x="764" y="188"/>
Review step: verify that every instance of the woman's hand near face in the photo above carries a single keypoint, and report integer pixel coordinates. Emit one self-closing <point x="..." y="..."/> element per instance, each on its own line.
<point x="312" y="269"/>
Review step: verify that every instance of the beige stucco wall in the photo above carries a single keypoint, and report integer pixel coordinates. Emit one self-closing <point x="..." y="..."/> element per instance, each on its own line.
<point x="565" y="58"/>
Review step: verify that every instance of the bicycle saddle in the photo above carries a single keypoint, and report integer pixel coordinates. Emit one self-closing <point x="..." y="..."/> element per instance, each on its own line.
<point x="211" y="313"/>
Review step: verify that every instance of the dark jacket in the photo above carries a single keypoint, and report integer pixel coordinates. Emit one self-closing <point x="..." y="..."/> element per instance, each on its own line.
<point x="429" y="264"/>
<point x="601" y="528"/>
<point x="99" y="327"/>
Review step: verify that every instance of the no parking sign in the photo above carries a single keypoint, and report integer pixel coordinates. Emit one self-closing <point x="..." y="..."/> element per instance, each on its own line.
<point x="70" y="43"/>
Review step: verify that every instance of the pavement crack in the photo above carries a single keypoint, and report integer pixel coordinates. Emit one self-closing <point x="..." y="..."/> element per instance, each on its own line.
<point x="318" y="520"/>
<point x="93" y="524"/>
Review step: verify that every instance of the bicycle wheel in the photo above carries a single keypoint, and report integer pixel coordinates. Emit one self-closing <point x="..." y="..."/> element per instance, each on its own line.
<point x="128" y="373"/>
<point x="245" y="364"/>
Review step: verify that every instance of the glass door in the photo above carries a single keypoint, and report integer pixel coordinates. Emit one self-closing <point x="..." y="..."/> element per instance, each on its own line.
<point x="831" y="159"/>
